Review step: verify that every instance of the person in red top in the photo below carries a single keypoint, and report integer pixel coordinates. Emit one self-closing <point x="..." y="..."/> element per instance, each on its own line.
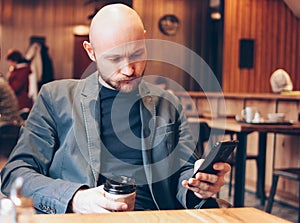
<point x="18" y="77"/>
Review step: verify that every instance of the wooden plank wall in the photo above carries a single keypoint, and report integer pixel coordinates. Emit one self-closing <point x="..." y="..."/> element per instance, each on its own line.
<point x="270" y="22"/>
<point x="55" y="19"/>
<point x="276" y="32"/>
<point x="187" y="11"/>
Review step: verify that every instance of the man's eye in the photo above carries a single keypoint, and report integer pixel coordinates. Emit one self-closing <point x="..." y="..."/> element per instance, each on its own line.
<point x="136" y="55"/>
<point x="115" y="59"/>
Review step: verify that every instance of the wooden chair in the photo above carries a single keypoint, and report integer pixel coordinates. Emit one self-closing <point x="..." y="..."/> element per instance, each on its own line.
<point x="231" y="161"/>
<point x="289" y="173"/>
<point x="9" y="134"/>
<point x="24" y="112"/>
<point x="204" y="133"/>
<point x="213" y="202"/>
<point x="223" y="203"/>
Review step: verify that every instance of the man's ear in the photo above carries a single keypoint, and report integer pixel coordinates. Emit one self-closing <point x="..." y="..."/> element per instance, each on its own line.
<point x="89" y="49"/>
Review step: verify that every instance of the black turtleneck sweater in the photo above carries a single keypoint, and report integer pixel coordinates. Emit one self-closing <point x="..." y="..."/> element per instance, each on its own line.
<point x="121" y="142"/>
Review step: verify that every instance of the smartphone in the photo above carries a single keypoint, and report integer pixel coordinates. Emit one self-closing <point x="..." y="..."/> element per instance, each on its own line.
<point x="219" y="153"/>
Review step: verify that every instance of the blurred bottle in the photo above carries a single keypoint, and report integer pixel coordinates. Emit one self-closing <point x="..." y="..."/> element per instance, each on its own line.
<point x="24" y="205"/>
<point x="7" y="211"/>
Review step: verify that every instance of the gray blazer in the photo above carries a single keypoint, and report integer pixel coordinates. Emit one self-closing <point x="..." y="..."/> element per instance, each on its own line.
<point x="59" y="147"/>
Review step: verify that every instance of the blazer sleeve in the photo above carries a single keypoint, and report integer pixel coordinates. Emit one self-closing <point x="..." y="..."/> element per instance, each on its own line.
<point x="32" y="157"/>
<point x="187" y="147"/>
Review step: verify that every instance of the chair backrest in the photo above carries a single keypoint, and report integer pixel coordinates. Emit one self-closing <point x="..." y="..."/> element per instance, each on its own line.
<point x="223" y="203"/>
<point x="9" y="134"/>
<point x="24" y="112"/>
<point x="204" y="134"/>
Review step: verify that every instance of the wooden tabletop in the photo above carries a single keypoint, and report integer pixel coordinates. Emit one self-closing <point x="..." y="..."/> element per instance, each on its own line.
<point x="230" y="124"/>
<point x="222" y="215"/>
<point x="288" y="96"/>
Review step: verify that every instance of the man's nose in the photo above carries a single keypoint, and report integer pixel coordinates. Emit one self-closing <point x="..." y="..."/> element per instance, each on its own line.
<point x="127" y="69"/>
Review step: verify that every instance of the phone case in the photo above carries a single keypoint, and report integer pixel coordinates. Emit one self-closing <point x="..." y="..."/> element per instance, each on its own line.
<point x="219" y="153"/>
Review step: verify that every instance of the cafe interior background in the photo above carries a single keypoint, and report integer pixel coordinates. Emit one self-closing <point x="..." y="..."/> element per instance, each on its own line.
<point x="214" y="29"/>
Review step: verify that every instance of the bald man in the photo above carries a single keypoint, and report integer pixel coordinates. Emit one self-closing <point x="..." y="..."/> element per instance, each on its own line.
<point x="112" y="123"/>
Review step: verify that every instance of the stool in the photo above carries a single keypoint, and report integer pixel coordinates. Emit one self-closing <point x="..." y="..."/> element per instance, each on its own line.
<point x="290" y="173"/>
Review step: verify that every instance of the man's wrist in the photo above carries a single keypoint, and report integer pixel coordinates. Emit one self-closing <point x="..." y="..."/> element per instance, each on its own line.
<point x="70" y="204"/>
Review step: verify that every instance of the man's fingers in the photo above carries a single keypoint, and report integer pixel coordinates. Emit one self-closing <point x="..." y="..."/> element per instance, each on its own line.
<point x="211" y="178"/>
<point x="203" y="194"/>
<point x="94" y="201"/>
<point x="223" y="168"/>
<point x="112" y="205"/>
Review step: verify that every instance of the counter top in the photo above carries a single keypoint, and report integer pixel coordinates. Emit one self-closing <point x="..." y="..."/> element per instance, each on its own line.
<point x="264" y="96"/>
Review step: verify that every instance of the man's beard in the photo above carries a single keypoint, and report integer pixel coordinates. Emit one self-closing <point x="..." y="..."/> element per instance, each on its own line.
<point x="121" y="85"/>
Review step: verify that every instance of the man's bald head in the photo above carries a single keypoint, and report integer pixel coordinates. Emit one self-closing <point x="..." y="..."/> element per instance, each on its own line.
<point x="117" y="46"/>
<point x="113" y="25"/>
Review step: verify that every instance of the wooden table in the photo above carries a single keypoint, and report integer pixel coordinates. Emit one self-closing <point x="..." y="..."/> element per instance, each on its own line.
<point x="242" y="130"/>
<point x="222" y="215"/>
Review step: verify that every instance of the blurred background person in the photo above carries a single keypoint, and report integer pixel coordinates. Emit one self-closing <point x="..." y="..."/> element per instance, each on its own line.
<point x="9" y="108"/>
<point x="18" y="77"/>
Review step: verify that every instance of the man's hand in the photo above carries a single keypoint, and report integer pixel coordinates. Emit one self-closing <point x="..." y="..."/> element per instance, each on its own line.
<point x="93" y="201"/>
<point x="206" y="185"/>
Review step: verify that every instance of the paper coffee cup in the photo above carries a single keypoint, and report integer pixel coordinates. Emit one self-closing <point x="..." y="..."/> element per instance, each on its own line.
<point x="121" y="189"/>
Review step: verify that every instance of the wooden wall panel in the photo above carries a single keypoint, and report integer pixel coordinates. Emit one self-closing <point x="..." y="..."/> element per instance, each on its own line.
<point x="53" y="19"/>
<point x="270" y="22"/>
<point x="276" y="32"/>
<point x="151" y="12"/>
<point x="195" y="32"/>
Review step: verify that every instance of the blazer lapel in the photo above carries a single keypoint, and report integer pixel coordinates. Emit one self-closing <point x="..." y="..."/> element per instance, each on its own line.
<point x="91" y="115"/>
<point x="148" y="113"/>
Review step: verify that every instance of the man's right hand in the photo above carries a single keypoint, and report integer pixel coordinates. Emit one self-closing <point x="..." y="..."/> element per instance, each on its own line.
<point x="94" y="201"/>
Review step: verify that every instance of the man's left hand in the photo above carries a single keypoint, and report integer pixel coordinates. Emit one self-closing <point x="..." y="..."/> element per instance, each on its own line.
<point x="206" y="185"/>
